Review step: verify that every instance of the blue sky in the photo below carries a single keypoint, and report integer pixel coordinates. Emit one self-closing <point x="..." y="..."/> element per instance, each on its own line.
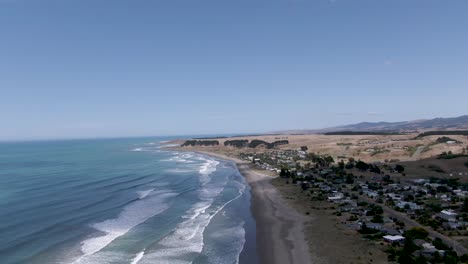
<point x="101" y="68"/>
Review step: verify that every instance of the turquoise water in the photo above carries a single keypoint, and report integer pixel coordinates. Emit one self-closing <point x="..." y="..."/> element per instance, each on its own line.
<point x="121" y="201"/>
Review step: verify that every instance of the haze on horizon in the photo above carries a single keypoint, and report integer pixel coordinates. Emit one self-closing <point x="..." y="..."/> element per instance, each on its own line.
<point x="84" y="68"/>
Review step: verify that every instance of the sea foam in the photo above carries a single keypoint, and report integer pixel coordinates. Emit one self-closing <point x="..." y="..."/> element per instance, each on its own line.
<point x="206" y="169"/>
<point x="186" y="240"/>
<point x="145" y="193"/>
<point x="132" y="215"/>
<point x="138" y="257"/>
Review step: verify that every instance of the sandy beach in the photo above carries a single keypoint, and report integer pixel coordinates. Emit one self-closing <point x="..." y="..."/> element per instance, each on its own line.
<point x="293" y="229"/>
<point x="280" y="228"/>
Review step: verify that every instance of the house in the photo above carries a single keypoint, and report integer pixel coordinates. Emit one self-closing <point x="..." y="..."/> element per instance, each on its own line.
<point x="448" y="215"/>
<point x="429" y="250"/>
<point x="394" y="186"/>
<point x="421" y="181"/>
<point x="394" y="196"/>
<point x="460" y="193"/>
<point x="371" y="194"/>
<point x="335" y="197"/>
<point x="374" y="226"/>
<point x="452" y="225"/>
<point x="394" y="239"/>
<point x="408" y="205"/>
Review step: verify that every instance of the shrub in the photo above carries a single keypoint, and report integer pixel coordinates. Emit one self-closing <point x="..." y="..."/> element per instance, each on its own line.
<point x="416" y="233"/>
<point x="399" y="168"/>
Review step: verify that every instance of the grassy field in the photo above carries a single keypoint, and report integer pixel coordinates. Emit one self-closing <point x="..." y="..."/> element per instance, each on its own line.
<point x="369" y="148"/>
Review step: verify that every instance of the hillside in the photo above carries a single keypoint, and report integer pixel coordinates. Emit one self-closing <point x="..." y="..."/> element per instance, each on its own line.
<point x="453" y="123"/>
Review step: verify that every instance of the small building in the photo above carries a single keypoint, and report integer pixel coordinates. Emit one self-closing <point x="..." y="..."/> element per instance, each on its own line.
<point x="374" y="226"/>
<point x="408" y="205"/>
<point x="371" y="194"/>
<point x="335" y="197"/>
<point x="448" y="215"/>
<point x="429" y="250"/>
<point x="394" y="239"/>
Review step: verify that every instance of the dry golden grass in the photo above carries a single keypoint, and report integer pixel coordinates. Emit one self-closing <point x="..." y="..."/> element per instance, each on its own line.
<point x="369" y="148"/>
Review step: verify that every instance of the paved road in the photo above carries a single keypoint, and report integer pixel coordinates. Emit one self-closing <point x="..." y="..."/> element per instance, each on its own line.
<point x="457" y="246"/>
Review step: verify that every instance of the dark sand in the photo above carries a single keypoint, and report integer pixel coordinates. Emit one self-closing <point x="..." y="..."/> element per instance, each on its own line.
<point x="280" y="228"/>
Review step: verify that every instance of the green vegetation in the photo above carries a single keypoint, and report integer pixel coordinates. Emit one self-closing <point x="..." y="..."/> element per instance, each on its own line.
<point x="242" y="143"/>
<point x="413" y="149"/>
<point x="238" y="143"/>
<point x="321" y="161"/>
<point x="379" y="151"/>
<point x="200" y="143"/>
<point x="361" y="165"/>
<point x="285" y="173"/>
<point x="367" y="231"/>
<point x="209" y="137"/>
<point x="344" y="144"/>
<point x="435" y="168"/>
<point x="359" y="133"/>
<point x="445" y="140"/>
<point x="399" y="168"/>
<point x="465" y="206"/>
<point x="416" y="233"/>
<point x="428" y="147"/>
<point x="256" y="142"/>
<point x="440" y="245"/>
<point x="450" y="155"/>
<point x="441" y="133"/>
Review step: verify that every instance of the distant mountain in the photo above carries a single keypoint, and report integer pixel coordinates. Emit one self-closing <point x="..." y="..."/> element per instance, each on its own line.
<point x="452" y="123"/>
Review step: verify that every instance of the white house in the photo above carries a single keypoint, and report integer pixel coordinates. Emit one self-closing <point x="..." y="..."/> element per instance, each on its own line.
<point x="371" y="194"/>
<point x="449" y="215"/>
<point x="335" y="196"/>
<point x="411" y="205"/>
<point x="393" y="239"/>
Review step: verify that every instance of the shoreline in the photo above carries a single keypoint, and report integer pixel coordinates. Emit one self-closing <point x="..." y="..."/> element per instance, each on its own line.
<point x="279" y="227"/>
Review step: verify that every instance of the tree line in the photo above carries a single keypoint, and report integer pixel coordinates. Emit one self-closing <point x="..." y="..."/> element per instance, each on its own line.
<point x="243" y="143"/>
<point x="441" y="133"/>
<point x="200" y="143"/>
<point x="359" y="133"/>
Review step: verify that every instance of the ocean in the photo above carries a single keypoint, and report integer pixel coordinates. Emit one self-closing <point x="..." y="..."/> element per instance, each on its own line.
<point x="121" y="201"/>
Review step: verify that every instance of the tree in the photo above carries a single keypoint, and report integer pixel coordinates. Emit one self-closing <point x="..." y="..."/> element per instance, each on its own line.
<point x="465" y="205"/>
<point x="387" y="179"/>
<point x="350" y="165"/>
<point x="374" y="168"/>
<point x="439" y="244"/>
<point x="442" y="189"/>
<point x="361" y="165"/>
<point x="283" y="172"/>
<point x="377" y="219"/>
<point x="407" y="251"/>
<point x="416" y="233"/>
<point x="329" y="159"/>
<point x="399" y="168"/>
<point x="349" y="179"/>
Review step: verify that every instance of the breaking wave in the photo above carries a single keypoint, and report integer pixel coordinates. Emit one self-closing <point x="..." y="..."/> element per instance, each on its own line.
<point x="132" y="215"/>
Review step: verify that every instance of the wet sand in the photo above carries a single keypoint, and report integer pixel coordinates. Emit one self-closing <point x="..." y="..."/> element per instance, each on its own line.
<point x="280" y="228"/>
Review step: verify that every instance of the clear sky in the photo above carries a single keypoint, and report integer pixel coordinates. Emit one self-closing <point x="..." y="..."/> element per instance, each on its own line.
<point x="97" y="68"/>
